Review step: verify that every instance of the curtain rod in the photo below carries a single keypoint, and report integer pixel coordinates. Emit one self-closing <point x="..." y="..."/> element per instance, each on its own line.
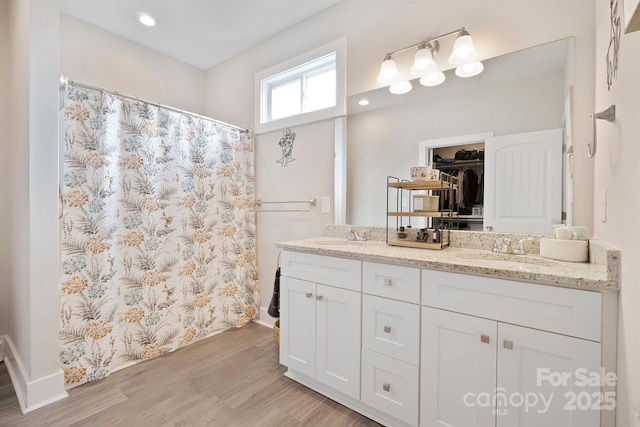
<point x="64" y="81"/>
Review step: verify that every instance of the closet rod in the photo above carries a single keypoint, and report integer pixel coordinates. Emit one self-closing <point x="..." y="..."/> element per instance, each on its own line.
<point x="64" y="81"/>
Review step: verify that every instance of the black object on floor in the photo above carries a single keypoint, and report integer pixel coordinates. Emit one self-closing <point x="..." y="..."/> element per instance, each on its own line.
<point x="274" y="306"/>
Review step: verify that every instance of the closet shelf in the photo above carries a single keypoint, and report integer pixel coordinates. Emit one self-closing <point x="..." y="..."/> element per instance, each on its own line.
<point x="460" y="163"/>
<point x="425" y="214"/>
<point x="423" y="185"/>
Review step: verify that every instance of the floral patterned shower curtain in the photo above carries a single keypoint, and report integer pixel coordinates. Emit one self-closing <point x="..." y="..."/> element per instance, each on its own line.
<point x="158" y="232"/>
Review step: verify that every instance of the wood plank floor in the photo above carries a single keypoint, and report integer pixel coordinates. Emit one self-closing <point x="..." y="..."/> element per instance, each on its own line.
<point x="231" y="379"/>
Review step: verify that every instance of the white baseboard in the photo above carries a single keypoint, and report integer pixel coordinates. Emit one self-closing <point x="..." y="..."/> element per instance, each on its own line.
<point x="265" y="318"/>
<point x="35" y="394"/>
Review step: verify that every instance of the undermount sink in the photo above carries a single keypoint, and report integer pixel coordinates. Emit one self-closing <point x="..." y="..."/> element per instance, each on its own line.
<point x="511" y="258"/>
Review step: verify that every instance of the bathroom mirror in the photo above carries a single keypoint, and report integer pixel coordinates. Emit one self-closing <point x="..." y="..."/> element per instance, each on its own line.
<point x="519" y="92"/>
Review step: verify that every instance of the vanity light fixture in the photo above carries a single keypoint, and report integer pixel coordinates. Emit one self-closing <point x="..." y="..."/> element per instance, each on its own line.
<point x="464" y="56"/>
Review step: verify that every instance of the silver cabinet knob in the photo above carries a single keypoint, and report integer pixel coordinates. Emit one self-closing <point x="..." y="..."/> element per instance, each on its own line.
<point x="507" y="344"/>
<point x="388" y="282"/>
<point x="386" y="386"/>
<point x="308" y="295"/>
<point x="319" y="297"/>
<point x="387" y="329"/>
<point x="485" y="339"/>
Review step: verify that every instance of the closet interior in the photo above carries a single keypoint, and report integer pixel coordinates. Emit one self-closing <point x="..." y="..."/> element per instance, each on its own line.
<point x="466" y="162"/>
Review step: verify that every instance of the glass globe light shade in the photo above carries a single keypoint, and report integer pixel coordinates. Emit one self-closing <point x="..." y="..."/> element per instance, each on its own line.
<point x="423" y="62"/>
<point x="432" y="79"/>
<point x="388" y="71"/>
<point x="400" y="87"/>
<point x="463" y="50"/>
<point x="469" y="70"/>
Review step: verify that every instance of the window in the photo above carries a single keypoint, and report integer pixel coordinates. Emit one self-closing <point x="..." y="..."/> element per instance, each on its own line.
<point x="305" y="89"/>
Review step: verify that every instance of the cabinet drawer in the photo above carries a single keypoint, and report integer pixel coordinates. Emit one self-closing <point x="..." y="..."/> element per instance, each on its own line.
<point x="391" y="328"/>
<point x="391" y="281"/>
<point x="565" y="311"/>
<point x="391" y="386"/>
<point x="341" y="272"/>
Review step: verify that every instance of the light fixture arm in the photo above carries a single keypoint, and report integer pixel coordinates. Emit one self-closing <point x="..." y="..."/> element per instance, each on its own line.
<point x="427" y="42"/>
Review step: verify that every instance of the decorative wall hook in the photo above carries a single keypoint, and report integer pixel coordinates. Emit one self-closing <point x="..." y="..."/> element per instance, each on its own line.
<point x="609" y="115"/>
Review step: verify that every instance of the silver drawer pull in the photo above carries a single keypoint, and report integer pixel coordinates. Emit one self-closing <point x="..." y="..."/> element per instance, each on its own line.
<point x="319" y="297"/>
<point x="508" y="344"/>
<point x="308" y="295"/>
<point x="388" y="282"/>
<point x="386" y="386"/>
<point x="387" y="329"/>
<point x="485" y="338"/>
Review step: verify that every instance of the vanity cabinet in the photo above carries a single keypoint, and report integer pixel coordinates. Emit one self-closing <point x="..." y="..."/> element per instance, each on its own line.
<point x="391" y="340"/>
<point x="417" y="347"/>
<point x="320" y="319"/>
<point x="490" y="358"/>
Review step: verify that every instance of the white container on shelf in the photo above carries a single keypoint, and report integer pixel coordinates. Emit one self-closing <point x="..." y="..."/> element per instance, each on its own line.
<point x="565" y="250"/>
<point x="425" y="203"/>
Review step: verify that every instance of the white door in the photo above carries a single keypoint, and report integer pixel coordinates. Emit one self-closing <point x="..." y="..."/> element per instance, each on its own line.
<point x="458" y="369"/>
<point x="338" y="339"/>
<point x="523" y="182"/>
<point x="298" y="325"/>
<point x="539" y="376"/>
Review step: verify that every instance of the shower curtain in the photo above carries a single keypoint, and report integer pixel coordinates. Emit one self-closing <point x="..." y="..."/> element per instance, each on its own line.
<point x="158" y="232"/>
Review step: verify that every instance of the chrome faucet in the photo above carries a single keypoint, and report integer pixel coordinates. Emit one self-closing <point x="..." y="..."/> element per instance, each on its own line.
<point x="507" y="243"/>
<point x="519" y="250"/>
<point x="354" y="235"/>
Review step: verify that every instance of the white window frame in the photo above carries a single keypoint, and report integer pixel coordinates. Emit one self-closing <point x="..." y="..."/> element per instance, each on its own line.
<point x="261" y="101"/>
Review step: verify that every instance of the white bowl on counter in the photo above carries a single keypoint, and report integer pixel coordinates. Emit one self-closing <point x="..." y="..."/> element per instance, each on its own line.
<point x="565" y="250"/>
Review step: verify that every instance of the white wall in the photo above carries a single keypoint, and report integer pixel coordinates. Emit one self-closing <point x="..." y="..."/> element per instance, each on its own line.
<point x="5" y="75"/>
<point x="313" y="154"/>
<point x="373" y="28"/>
<point x="525" y="105"/>
<point x="32" y="339"/>
<point x="99" y="58"/>
<point x="617" y="172"/>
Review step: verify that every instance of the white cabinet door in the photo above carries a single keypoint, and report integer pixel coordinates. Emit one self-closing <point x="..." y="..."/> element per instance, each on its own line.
<point x="338" y="339"/>
<point x="458" y="368"/>
<point x="531" y="364"/>
<point x="298" y="325"/>
<point x="523" y="182"/>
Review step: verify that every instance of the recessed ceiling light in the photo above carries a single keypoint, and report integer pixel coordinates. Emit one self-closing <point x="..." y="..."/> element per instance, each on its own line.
<point x="146" y="20"/>
<point x="363" y="102"/>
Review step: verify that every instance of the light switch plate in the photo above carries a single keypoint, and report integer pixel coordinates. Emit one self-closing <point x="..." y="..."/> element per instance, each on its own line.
<point x="636" y="408"/>
<point x="326" y="205"/>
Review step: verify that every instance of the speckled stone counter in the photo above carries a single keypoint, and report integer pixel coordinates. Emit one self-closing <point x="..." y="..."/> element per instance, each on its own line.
<point x="600" y="274"/>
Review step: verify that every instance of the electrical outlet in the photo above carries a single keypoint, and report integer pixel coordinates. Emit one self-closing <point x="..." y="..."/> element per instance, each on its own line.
<point x="636" y="408"/>
<point x="326" y="205"/>
<point x="603" y="205"/>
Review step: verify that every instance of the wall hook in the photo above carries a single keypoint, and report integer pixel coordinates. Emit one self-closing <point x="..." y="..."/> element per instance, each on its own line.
<point x="609" y="115"/>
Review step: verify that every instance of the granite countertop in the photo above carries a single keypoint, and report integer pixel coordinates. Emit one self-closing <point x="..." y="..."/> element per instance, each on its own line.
<point x="600" y="274"/>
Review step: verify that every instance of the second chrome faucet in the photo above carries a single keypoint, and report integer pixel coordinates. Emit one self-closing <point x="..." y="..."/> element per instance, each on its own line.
<point x="506" y="243"/>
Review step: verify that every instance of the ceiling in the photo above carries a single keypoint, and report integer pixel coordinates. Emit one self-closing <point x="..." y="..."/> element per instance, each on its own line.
<point x="202" y="33"/>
